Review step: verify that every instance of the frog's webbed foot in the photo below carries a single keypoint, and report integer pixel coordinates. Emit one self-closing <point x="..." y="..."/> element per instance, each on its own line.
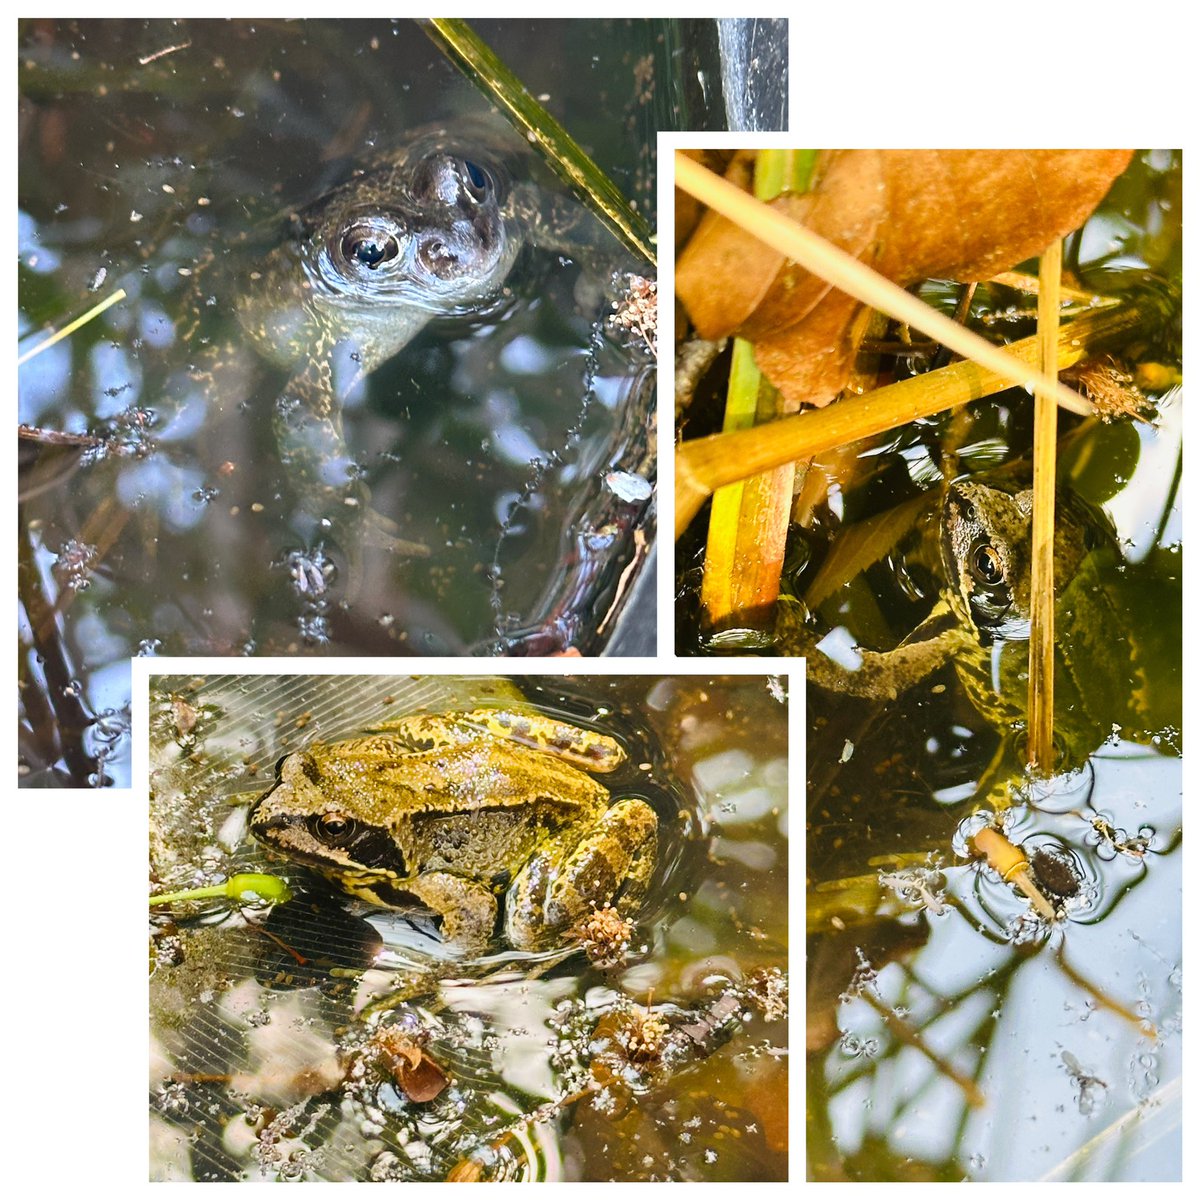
<point x="614" y="858"/>
<point x="467" y="908"/>
<point x="878" y="675"/>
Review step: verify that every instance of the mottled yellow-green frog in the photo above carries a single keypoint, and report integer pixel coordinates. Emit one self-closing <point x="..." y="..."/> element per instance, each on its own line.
<point x="981" y="623"/>
<point x="450" y="811"/>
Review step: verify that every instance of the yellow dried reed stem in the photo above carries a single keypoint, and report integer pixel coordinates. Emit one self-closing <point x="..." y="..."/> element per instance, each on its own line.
<point x="747" y="529"/>
<point x="1045" y="432"/>
<point x="710" y="462"/>
<point x="78" y="323"/>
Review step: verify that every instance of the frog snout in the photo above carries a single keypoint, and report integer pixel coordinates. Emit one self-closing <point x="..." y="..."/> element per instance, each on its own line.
<point x="437" y="256"/>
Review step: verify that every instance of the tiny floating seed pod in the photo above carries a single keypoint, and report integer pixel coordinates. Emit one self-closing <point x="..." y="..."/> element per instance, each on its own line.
<point x="1010" y="863"/>
<point x="1055" y="872"/>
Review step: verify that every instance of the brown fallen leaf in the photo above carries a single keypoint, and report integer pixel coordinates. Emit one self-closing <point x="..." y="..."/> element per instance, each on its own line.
<point x="909" y="214"/>
<point x="688" y="211"/>
<point x="417" y="1075"/>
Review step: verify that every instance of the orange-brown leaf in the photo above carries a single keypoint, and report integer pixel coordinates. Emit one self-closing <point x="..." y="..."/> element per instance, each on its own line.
<point x="910" y="214"/>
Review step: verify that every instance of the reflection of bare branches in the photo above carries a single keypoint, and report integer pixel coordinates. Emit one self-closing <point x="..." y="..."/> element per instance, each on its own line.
<point x="99" y="532"/>
<point x="909" y="1035"/>
<point x="56" y="437"/>
<point x="57" y="717"/>
<point x="1101" y="997"/>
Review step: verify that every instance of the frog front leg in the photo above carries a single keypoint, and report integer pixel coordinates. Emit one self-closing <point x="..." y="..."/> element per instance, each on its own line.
<point x="467" y="908"/>
<point x="560" y="884"/>
<point x="308" y="430"/>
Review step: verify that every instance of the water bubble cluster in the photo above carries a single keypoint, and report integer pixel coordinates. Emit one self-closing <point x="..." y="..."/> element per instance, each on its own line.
<point x="73" y="565"/>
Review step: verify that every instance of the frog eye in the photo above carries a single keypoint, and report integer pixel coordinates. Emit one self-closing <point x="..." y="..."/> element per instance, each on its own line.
<point x="478" y="182"/>
<point x="986" y="566"/>
<point x="368" y="245"/>
<point x="335" y="829"/>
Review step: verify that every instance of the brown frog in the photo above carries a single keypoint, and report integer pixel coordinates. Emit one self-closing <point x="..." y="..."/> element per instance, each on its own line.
<point x="450" y="811"/>
<point x="980" y="622"/>
<point x="427" y="231"/>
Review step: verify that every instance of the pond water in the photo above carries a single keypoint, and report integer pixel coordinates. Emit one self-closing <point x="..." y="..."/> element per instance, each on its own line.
<point x="270" y="1029"/>
<point x="495" y="490"/>
<point x="958" y="1028"/>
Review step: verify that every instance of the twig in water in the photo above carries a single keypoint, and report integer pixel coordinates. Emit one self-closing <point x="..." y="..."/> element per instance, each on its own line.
<point x="69" y="329"/>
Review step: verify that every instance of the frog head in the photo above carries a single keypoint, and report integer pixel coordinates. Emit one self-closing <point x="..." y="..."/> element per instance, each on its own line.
<point x="424" y="233"/>
<point x="986" y="551"/>
<point x="309" y="817"/>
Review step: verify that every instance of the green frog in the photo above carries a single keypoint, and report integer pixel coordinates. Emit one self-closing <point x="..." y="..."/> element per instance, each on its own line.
<point x="449" y="811"/>
<point x="429" y="231"/>
<point x="981" y="622"/>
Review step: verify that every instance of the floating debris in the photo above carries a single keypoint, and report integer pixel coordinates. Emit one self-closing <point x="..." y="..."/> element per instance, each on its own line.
<point x="605" y="936"/>
<point x="406" y="1063"/>
<point x="923" y="886"/>
<point x="1091" y="1088"/>
<point x="636" y="310"/>
<point x="73" y="566"/>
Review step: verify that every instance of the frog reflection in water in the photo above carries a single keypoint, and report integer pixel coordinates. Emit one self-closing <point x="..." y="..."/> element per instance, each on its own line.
<point x="429" y="231"/>
<point x="981" y="622"/>
<point x="449" y="811"/>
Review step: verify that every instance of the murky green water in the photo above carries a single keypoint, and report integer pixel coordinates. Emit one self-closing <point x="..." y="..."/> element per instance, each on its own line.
<point x="263" y="1024"/>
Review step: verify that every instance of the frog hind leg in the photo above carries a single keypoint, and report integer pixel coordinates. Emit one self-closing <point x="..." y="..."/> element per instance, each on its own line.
<point x="879" y="675"/>
<point x="614" y="858"/>
<point x="580" y="747"/>
<point x="467" y="908"/>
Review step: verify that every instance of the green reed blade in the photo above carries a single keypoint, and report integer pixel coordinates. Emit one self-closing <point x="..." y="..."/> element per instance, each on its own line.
<point x="459" y="42"/>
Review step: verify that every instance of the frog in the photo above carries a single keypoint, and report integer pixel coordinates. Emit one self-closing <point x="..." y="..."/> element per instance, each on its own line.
<point x="430" y="230"/>
<point x="449" y="812"/>
<point x="981" y="617"/>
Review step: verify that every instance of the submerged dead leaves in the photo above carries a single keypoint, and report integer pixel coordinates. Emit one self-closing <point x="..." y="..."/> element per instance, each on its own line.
<point x="909" y="214"/>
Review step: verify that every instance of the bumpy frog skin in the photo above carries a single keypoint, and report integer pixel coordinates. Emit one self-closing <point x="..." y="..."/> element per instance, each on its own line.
<point x="450" y="811"/>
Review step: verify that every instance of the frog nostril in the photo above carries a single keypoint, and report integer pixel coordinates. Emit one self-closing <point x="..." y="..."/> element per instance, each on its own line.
<point x="437" y="257"/>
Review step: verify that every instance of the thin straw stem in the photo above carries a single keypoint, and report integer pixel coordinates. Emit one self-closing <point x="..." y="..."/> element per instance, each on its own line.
<point x="1045" y="431"/>
<point x="67" y="330"/>
<point x="823" y="258"/>
<point x="706" y="463"/>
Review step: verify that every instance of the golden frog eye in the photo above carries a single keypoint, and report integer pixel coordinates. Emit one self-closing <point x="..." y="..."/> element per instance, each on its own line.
<point x="335" y="828"/>
<point x="986" y="566"/>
